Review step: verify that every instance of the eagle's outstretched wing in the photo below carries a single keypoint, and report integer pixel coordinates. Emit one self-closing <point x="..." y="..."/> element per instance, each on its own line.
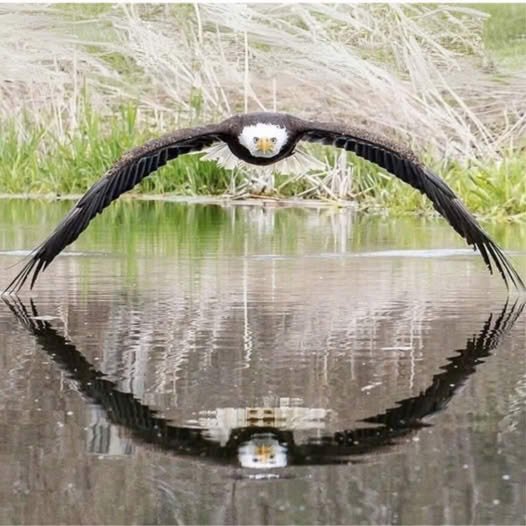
<point x="128" y="171"/>
<point x="404" y="164"/>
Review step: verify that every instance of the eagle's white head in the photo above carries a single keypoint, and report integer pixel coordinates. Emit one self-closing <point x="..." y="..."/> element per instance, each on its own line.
<point x="263" y="139"/>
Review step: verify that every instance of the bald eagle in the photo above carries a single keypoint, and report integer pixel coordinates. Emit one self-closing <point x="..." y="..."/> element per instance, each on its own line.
<point x="263" y="139"/>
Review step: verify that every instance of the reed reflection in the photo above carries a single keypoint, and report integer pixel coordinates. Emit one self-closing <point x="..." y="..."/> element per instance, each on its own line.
<point x="264" y="437"/>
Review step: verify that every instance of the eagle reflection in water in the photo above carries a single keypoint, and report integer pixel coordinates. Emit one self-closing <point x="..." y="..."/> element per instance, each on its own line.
<point x="267" y="441"/>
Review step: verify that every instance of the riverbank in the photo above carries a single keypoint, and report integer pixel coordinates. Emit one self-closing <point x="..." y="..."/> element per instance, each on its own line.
<point x="40" y="164"/>
<point x="223" y="200"/>
<point x="445" y="81"/>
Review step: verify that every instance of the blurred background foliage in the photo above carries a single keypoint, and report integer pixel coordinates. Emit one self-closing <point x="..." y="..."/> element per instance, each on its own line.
<point x="80" y="84"/>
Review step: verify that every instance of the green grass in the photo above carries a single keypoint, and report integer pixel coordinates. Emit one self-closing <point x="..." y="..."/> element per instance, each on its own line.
<point x="505" y="31"/>
<point x="495" y="191"/>
<point x="39" y="163"/>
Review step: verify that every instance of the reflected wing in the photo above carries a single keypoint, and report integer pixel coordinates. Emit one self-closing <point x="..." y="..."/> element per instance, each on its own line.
<point x="130" y="170"/>
<point x="410" y="411"/>
<point x="404" y="165"/>
<point x="121" y="408"/>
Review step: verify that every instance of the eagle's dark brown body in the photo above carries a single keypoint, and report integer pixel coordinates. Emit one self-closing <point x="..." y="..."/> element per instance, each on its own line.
<point x="141" y="161"/>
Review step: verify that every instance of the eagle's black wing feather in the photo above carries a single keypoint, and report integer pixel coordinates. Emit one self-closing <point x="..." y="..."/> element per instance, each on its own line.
<point x="403" y="164"/>
<point x="130" y="170"/>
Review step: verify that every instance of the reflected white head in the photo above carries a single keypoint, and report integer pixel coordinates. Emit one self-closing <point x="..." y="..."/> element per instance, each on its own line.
<point x="262" y="451"/>
<point x="263" y="139"/>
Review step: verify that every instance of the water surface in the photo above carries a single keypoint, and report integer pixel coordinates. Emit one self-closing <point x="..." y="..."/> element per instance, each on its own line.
<point x="207" y="364"/>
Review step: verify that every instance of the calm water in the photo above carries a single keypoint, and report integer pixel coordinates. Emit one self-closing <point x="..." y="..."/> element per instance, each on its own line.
<point x="206" y="364"/>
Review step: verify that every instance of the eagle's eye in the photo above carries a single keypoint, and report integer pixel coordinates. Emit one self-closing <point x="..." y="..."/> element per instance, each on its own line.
<point x="256" y="139"/>
<point x="273" y="140"/>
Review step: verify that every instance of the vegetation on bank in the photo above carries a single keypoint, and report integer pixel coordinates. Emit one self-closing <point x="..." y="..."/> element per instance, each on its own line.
<point x="41" y="164"/>
<point x="114" y="82"/>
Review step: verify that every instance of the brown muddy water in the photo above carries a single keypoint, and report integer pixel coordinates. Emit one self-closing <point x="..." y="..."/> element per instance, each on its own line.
<point x="187" y="364"/>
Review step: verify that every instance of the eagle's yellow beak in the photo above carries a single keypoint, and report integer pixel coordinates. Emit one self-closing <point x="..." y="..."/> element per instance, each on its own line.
<point x="264" y="145"/>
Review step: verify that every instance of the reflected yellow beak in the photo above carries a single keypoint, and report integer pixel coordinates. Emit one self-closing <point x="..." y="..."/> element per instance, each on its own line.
<point x="265" y="452"/>
<point x="264" y="145"/>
